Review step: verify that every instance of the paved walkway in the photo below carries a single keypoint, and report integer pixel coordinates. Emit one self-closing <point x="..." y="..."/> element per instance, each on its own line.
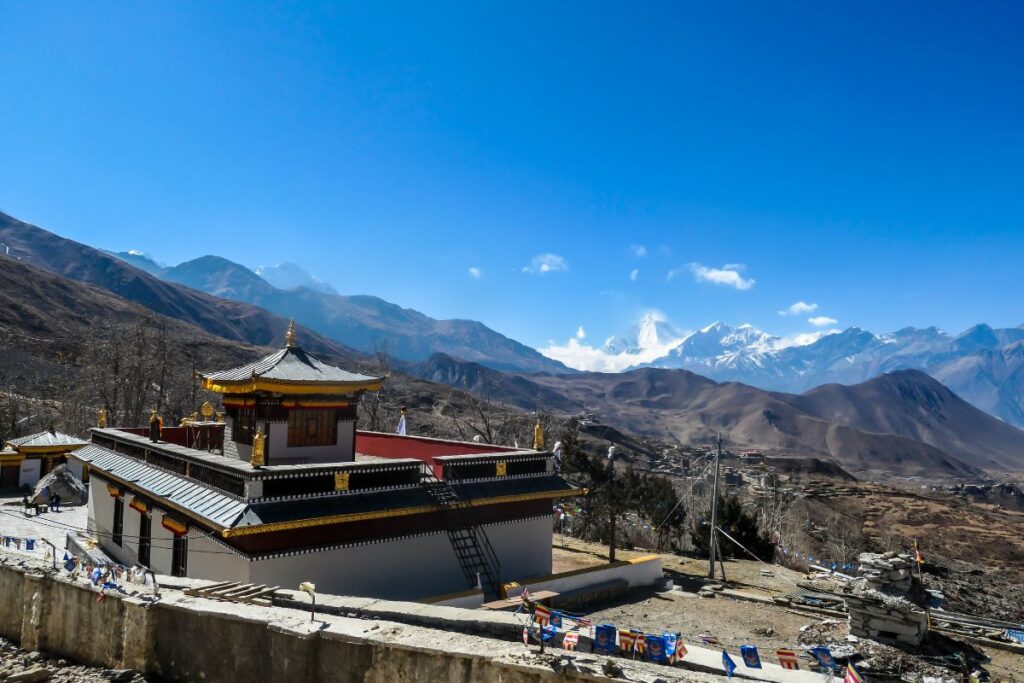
<point x="50" y="526"/>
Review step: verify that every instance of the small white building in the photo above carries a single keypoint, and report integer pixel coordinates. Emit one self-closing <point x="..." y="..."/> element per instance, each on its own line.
<point x="27" y="459"/>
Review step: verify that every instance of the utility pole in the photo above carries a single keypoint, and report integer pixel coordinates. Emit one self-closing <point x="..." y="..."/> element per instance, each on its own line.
<point x="611" y="504"/>
<point x="713" y="545"/>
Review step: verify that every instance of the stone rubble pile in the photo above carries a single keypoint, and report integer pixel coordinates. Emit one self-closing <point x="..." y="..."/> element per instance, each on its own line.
<point x="881" y="602"/>
<point x="19" y="666"/>
<point x="887" y="571"/>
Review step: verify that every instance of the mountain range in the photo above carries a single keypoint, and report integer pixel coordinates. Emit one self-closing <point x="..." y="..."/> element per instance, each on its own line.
<point x="899" y="421"/>
<point x="247" y="303"/>
<point x="983" y="365"/>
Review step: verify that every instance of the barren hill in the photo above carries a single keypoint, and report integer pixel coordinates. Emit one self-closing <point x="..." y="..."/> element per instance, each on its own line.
<point x="905" y="423"/>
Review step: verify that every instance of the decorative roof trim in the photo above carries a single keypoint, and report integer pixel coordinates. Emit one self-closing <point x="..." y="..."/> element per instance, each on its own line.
<point x="254" y="384"/>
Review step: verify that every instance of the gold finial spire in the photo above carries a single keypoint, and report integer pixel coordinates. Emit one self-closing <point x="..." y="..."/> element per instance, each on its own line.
<point x="290" y="336"/>
<point x="538" y="436"/>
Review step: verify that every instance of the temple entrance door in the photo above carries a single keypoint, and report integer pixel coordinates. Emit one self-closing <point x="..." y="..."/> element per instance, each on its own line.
<point x="9" y="476"/>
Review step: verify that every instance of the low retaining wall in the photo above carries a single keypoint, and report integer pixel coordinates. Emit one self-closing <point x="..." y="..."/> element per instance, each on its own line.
<point x="641" y="571"/>
<point x="185" y="639"/>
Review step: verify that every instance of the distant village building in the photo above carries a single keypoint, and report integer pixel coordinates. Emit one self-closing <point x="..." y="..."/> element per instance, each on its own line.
<point x="287" y="490"/>
<point x="751" y="456"/>
<point x="731" y="477"/>
<point x="27" y="459"/>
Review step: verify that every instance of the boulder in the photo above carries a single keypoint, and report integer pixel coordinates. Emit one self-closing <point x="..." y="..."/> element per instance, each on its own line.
<point x="63" y="482"/>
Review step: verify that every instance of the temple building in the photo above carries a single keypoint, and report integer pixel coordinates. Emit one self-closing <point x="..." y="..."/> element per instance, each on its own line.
<point x="27" y="459"/>
<point x="286" y="490"/>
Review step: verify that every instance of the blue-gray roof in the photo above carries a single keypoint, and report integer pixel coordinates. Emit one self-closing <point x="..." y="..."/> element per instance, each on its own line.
<point x="46" y="440"/>
<point x="216" y="506"/>
<point x="291" y="364"/>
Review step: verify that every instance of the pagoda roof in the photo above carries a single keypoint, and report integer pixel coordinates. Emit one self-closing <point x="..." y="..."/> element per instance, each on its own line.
<point x="46" y="441"/>
<point x="290" y="370"/>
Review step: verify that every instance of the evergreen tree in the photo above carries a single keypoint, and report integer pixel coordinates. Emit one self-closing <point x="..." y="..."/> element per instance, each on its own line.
<point x="739" y="524"/>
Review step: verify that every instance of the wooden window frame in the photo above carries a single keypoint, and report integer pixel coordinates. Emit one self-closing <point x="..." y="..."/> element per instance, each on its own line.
<point x="307" y="427"/>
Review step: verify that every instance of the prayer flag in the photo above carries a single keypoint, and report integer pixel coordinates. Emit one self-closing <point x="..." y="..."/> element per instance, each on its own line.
<point x="542" y="615"/>
<point x="640" y="643"/>
<point x="526" y="636"/>
<point x="30" y="544"/>
<point x="570" y="641"/>
<point x="708" y="640"/>
<point x="627" y="641"/>
<point x="750" y="657"/>
<point x="556" y="619"/>
<point x="824" y="657"/>
<point x="1015" y="635"/>
<point x="656" y="650"/>
<point x="730" y="666"/>
<point x="604" y="639"/>
<point x="917" y="553"/>
<point x="788" y="660"/>
<point x="852" y="676"/>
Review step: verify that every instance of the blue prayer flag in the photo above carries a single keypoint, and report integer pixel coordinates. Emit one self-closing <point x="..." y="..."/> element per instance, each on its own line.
<point x="824" y="657"/>
<point x="727" y="662"/>
<point x="604" y="638"/>
<point x="750" y="657"/>
<point x="656" y="648"/>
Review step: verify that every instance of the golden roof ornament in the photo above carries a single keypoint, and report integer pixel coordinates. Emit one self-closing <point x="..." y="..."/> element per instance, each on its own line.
<point x="289" y="337"/>
<point x="538" y="436"/>
<point x="101" y="419"/>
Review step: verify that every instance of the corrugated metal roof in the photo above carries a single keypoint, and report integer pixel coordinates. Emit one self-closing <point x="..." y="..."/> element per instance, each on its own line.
<point x="291" y="364"/>
<point x="46" y="440"/>
<point x="208" y="503"/>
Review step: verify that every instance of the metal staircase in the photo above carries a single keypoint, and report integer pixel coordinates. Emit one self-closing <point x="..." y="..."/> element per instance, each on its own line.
<point x="469" y="541"/>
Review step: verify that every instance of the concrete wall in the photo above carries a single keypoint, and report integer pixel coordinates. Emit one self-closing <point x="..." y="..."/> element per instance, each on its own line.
<point x="181" y="639"/>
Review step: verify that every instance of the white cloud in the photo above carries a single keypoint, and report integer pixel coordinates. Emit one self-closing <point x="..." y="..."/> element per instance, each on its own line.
<point x="799" y="308"/>
<point x="136" y="252"/>
<point x="546" y="263"/>
<point x="581" y="333"/>
<point x="475" y="273"/>
<point x="822" y="321"/>
<point x="727" y="275"/>
<point x="803" y="338"/>
<point x="634" y="274"/>
<point x="581" y="356"/>
<point x="638" y="250"/>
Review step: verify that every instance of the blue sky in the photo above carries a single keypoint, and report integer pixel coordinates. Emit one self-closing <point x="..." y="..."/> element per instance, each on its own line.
<point x="864" y="157"/>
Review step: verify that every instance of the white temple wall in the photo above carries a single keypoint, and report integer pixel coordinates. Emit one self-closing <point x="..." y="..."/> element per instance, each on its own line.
<point x="280" y="454"/>
<point x="130" y="542"/>
<point x="160" y="550"/>
<point x="523" y="547"/>
<point x="402" y="569"/>
<point x="101" y="519"/>
<point x="29" y="473"/>
<point x="208" y="559"/>
<point x="410" y="568"/>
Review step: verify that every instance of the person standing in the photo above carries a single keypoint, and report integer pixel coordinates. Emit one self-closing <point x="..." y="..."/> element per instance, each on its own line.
<point x="56" y="502"/>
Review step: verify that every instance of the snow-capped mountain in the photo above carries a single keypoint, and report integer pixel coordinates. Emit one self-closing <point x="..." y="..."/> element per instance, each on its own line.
<point x="651" y="332"/>
<point x="288" y="275"/>
<point x="719" y="346"/>
<point x="983" y="365"/>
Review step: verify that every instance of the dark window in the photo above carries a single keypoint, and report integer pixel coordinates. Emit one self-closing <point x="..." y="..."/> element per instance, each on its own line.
<point x="179" y="556"/>
<point x="118" y="520"/>
<point x="312" y="428"/>
<point x="244" y="426"/>
<point x="145" y="525"/>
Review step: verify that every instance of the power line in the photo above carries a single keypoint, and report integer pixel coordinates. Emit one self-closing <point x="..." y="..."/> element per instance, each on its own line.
<point x="53" y="524"/>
